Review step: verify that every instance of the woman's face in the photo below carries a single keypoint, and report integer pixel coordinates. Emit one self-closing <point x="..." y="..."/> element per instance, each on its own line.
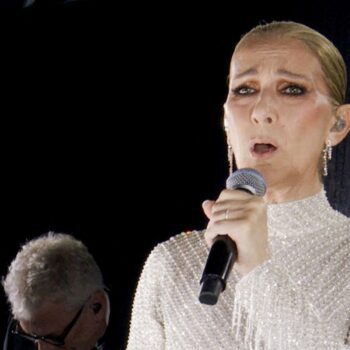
<point x="277" y="110"/>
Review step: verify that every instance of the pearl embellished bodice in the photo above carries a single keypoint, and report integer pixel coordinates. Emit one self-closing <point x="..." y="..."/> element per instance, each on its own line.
<point x="299" y="299"/>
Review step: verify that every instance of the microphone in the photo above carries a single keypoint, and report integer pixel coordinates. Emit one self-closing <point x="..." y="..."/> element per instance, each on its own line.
<point x="223" y="252"/>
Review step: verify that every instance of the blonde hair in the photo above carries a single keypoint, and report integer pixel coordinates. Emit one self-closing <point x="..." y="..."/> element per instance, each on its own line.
<point x="54" y="267"/>
<point x="331" y="60"/>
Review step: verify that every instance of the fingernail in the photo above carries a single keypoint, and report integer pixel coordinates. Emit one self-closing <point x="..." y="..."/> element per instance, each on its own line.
<point x="206" y="202"/>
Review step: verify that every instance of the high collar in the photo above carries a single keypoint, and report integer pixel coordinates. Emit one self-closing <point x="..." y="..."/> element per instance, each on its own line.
<point x="302" y="216"/>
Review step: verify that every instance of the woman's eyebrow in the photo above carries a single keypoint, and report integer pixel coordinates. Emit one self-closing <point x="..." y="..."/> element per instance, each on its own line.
<point x="250" y="71"/>
<point x="284" y="72"/>
<point x="292" y="75"/>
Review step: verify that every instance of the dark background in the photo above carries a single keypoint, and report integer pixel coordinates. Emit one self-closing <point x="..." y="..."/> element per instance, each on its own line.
<point x="111" y="124"/>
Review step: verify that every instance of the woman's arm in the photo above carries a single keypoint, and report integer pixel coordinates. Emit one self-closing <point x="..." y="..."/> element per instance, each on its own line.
<point x="146" y="329"/>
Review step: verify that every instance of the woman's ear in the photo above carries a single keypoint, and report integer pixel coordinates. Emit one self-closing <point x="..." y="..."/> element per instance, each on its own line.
<point x="341" y="127"/>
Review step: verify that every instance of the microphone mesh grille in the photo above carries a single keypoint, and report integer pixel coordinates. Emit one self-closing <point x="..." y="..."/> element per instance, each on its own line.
<point x="249" y="179"/>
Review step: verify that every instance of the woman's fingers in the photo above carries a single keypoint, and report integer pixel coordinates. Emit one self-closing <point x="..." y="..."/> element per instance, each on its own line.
<point x="243" y="217"/>
<point x="207" y="206"/>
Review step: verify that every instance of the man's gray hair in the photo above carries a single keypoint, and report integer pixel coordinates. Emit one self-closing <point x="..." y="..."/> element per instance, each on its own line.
<point x="55" y="267"/>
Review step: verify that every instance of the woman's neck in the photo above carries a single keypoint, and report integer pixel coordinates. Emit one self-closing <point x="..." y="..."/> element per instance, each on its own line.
<point x="280" y="193"/>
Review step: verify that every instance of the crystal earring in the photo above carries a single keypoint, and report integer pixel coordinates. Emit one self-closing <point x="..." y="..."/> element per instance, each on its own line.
<point x="229" y="148"/>
<point x="327" y="155"/>
<point x="230" y="157"/>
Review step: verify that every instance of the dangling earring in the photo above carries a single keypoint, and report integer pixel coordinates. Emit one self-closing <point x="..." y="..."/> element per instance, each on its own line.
<point x="230" y="157"/>
<point x="327" y="155"/>
<point x="229" y="148"/>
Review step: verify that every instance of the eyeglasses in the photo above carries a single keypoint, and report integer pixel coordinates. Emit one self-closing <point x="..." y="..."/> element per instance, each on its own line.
<point x="52" y="340"/>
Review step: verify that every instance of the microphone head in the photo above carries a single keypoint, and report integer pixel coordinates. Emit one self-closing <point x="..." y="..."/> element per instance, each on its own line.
<point x="247" y="179"/>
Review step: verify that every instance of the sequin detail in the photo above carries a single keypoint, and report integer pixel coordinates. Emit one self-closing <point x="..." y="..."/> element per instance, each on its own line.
<point x="300" y="299"/>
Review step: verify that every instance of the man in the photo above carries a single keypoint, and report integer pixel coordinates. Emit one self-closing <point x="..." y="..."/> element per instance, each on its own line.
<point x="57" y="297"/>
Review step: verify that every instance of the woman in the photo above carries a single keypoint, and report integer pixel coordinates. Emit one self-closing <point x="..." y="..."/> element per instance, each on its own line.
<point x="290" y="286"/>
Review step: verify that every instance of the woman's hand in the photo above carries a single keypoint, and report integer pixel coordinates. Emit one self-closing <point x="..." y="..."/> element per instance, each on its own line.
<point x="243" y="217"/>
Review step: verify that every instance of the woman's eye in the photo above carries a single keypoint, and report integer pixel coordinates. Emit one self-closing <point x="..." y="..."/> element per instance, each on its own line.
<point x="243" y="90"/>
<point x="293" y="90"/>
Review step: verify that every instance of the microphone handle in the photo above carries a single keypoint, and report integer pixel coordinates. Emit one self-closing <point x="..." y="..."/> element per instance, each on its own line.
<point x="221" y="258"/>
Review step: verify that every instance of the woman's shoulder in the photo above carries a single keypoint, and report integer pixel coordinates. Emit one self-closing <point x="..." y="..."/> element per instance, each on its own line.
<point x="187" y="241"/>
<point x="187" y="249"/>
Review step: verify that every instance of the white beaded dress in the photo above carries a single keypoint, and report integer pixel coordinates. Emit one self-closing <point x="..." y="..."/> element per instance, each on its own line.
<point x="299" y="299"/>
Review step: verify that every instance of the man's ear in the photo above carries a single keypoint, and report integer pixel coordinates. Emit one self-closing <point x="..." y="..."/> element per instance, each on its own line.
<point x="98" y="303"/>
<point x="96" y="307"/>
<point x="341" y="127"/>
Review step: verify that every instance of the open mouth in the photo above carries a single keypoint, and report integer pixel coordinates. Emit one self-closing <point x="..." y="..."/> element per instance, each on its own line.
<point x="261" y="148"/>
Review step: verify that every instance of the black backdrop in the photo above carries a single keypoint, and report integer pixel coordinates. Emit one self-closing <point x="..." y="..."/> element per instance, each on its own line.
<point x="111" y="125"/>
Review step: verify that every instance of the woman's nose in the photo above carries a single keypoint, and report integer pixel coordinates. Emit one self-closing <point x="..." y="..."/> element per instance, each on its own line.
<point x="264" y="111"/>
<point x="262" y="119"/>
